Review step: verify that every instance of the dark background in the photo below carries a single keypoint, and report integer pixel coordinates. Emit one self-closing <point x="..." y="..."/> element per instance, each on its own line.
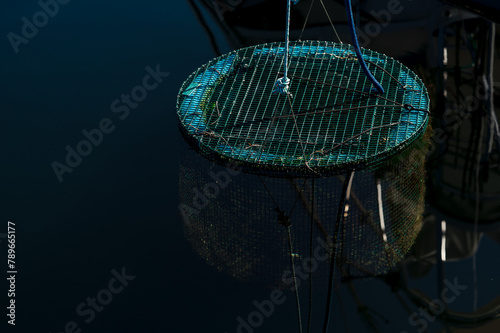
<point x="119" y="207"/>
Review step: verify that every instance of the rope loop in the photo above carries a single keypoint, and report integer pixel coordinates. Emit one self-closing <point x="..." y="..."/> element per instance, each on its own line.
<point x="283" y="219"/>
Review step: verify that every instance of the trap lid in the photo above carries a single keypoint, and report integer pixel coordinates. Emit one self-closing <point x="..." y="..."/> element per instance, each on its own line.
<point x="330" y="121"/>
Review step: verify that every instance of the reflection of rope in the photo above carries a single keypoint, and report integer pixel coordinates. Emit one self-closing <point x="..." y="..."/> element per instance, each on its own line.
<point x="282" y="85"/>
<point x="494" y="130"/>
<point x="310" y="208"/>
<point x="476" y="213"/>
<point x="478" y="318"/>
<point x="339" y="221"/>
<point x="284" y="220"/>
<point x="205" y="26"/>
<point x="451" y="318"/>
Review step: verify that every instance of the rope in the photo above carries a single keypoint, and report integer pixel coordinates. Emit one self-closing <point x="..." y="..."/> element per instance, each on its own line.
<point x="282" y="85"/>
<point x="354" y="38"/>
<point x="307" y="19"/>
<point x="331" y="23"/>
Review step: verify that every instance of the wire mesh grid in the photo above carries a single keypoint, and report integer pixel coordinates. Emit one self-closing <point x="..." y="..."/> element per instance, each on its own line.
<point x="232" y="223"/>
<point x="330" y="122"/>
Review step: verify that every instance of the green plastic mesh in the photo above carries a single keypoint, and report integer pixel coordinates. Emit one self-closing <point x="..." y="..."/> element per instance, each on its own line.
<point x="331" y="122"/>
<point x="231" y="221"/>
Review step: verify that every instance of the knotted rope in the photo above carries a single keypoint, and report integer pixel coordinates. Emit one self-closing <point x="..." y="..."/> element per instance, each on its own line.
<point x="282" y="85"/>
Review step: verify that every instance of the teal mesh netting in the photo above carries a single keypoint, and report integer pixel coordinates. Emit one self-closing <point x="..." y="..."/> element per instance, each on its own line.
<point x="329" y="123"/>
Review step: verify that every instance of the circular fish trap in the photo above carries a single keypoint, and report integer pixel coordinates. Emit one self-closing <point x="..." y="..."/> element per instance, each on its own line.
<point x="330" y="122"/>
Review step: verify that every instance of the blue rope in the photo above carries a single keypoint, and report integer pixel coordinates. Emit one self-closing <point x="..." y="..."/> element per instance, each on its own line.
<point x="282" y="86"/>
<point x="354" y="38"/>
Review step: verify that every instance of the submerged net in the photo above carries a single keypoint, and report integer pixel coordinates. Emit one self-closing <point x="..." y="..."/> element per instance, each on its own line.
<point x="232" y="223"/>
<point x="331" y="121"/>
